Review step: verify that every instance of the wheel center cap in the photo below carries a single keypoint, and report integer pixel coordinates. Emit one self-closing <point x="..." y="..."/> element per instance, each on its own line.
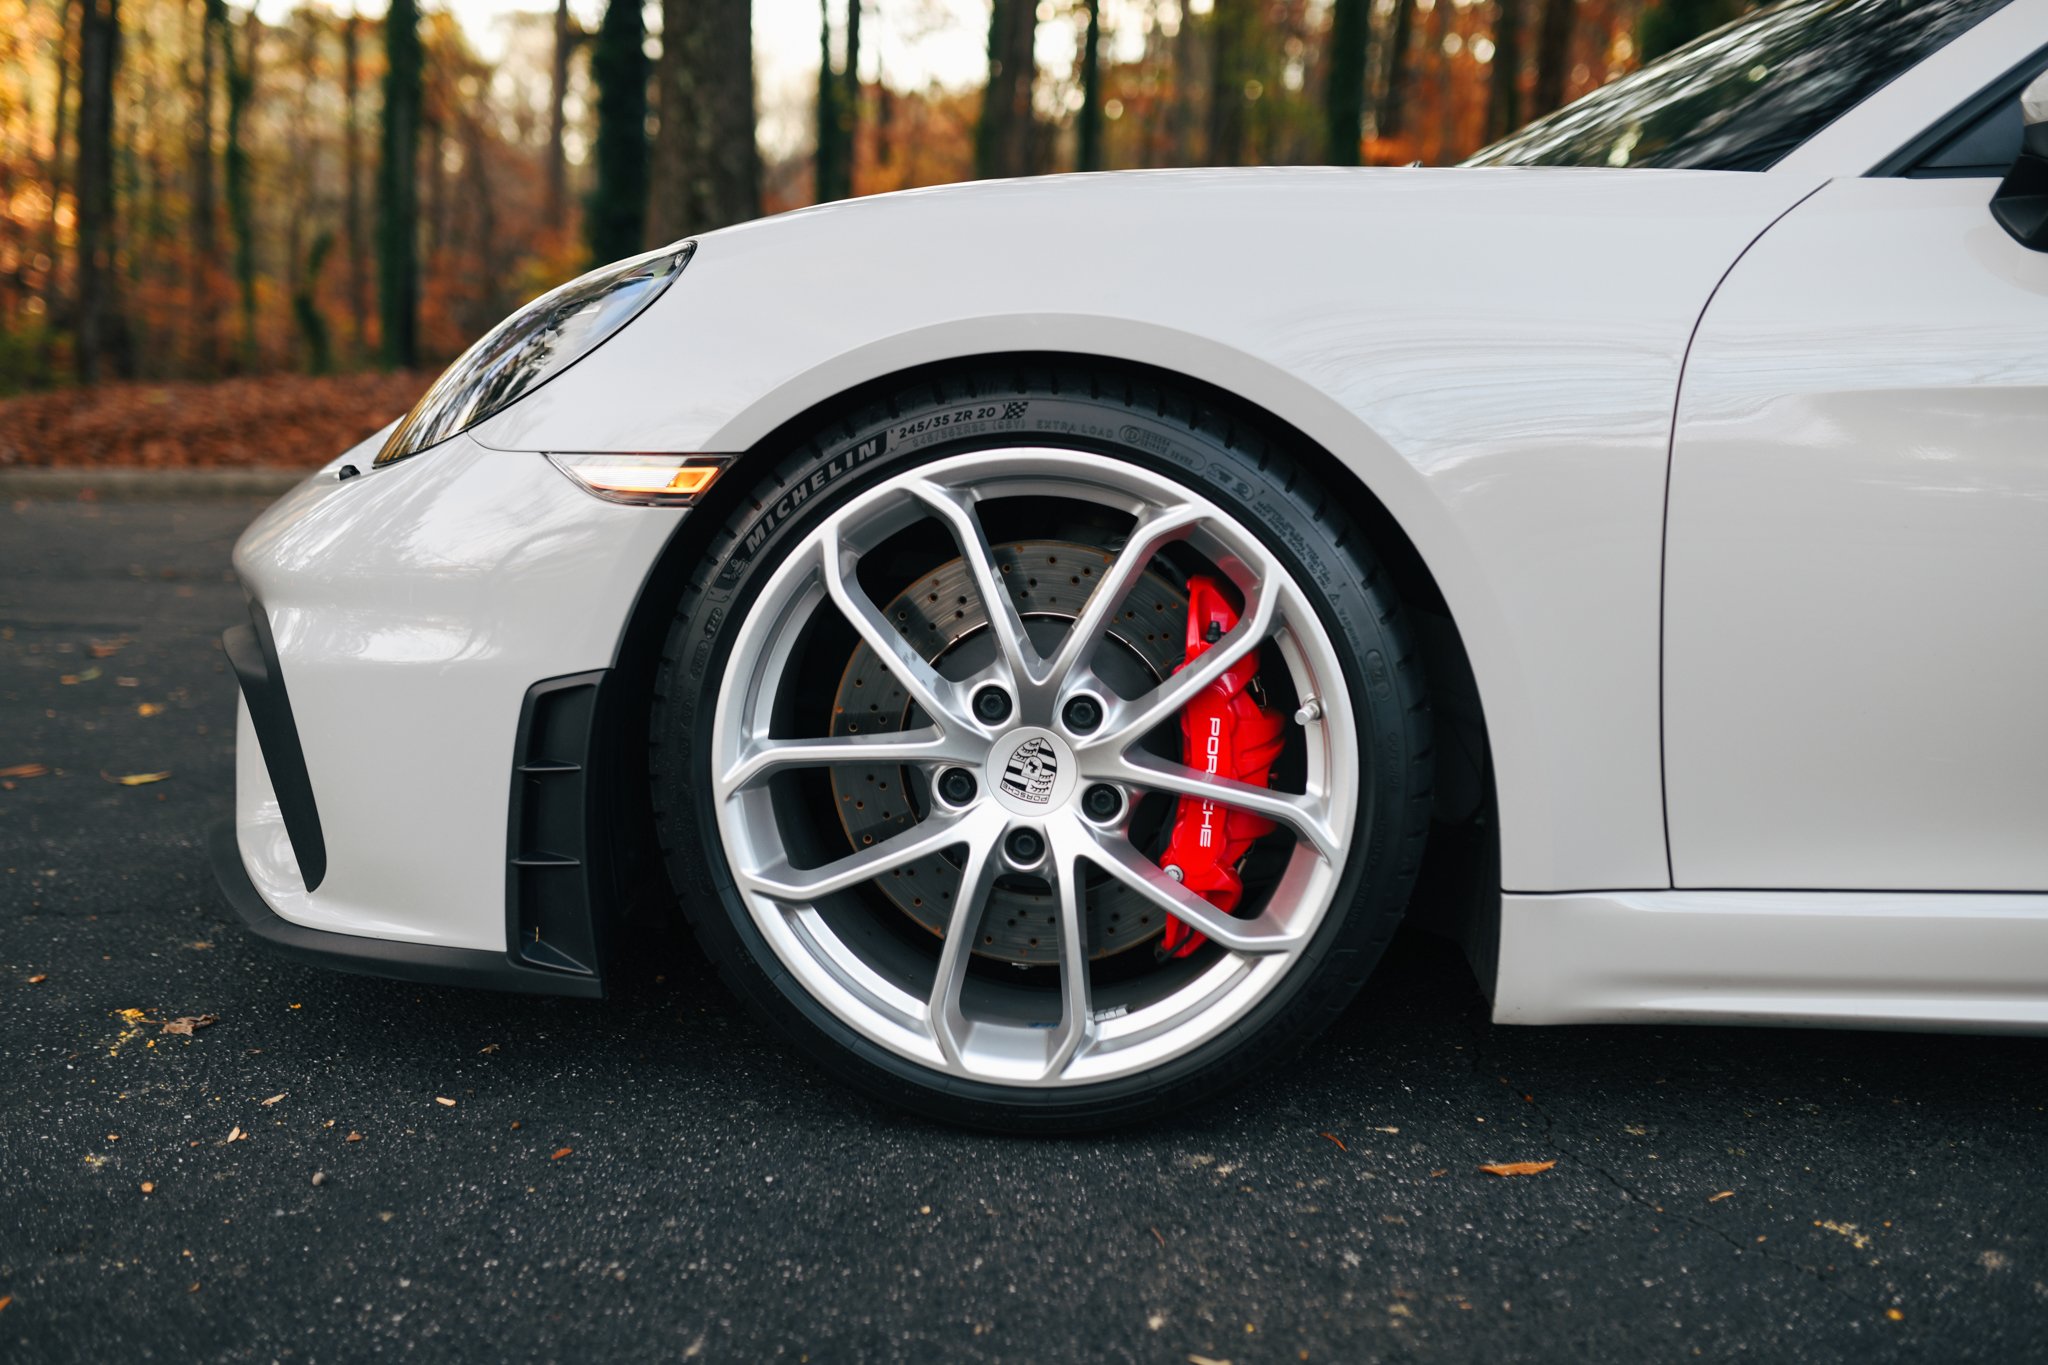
<point x="1031" y="771"/>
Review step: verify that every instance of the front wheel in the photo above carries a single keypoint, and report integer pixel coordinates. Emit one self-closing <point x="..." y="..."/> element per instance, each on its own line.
<point x="1037" y="780"/>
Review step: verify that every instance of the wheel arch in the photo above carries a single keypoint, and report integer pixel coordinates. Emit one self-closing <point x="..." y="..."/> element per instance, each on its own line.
<point x="1451" y="900"/>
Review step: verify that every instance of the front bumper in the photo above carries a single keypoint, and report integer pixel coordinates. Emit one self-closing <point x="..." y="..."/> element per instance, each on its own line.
<point x="419" y="611"/>
<point x="373" y="956"/>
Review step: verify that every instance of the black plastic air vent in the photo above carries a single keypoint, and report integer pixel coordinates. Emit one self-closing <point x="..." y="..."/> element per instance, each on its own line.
<point x="555" y="879"/>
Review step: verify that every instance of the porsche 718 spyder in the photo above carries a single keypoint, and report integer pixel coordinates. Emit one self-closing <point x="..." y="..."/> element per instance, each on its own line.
<point x="1040" y="633"/>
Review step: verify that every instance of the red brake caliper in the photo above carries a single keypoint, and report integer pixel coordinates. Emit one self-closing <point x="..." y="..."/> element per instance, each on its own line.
<point x="1224" y="731"/>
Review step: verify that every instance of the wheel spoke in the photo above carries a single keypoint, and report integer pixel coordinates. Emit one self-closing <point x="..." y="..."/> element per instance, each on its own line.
<point x="926" y="688"/>
<point x="1259" y="935"/>
<point x="1302" y="814"/>
<point x="767" y="757"/>
<point x="948" y="1021"/>
<point x="1012" y="644"/>
<point x="1076" y="1021"/>
<point x="1146" y="540"/>
<point x="1131" y="721"/>
<point x="782" y="882"/>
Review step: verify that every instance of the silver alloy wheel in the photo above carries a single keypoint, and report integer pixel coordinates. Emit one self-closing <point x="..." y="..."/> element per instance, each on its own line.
<point x="935" y="1023"/>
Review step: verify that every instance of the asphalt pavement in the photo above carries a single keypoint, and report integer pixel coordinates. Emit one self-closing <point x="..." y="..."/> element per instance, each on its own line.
<point x="654" y="1177"/>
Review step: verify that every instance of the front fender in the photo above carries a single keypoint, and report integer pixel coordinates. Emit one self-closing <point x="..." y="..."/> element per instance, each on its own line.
<point x="1494" y="354"/>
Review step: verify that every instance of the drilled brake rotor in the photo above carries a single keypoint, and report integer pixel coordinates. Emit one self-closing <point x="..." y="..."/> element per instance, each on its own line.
<point x="942" y="617"/>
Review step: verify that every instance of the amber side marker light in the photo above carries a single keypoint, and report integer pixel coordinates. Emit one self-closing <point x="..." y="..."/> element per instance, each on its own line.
<point x="645" y="480"/>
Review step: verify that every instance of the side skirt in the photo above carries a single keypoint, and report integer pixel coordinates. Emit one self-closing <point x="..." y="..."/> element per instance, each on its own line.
<point x="1837" y="959"/>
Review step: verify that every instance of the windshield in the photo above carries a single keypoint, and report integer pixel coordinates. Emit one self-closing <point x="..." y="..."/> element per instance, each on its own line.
<point x="1745" y="95"/>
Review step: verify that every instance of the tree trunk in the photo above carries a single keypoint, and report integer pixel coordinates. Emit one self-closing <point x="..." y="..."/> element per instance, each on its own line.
<point x="398" y="188"/>
<point x="205" y="207"/>
<point x="1182" y="120"/>
<point x="1003" y="138"/>
<point x="1393" y="110"/>
<point x="1448" y="135"/>
<point x="707" y="164"/>
<point x="1553" y="55"/>
<point x="352" y="201"/>
<point x="615" y="216"/>
<point x="241" y="82"/>
<point x="306" y="312"/>
<point x="99" y="325"/>
<point x="53" y="293"/>
<point x="1504" y="89"/>
<point x="1088" y="132"/>
<point x="825" y="177"/>
<point x="849" y="101"/>
<point x="558" y="123"/>
<point x="1344" y="105"/>
<point x="1232" y="68"/>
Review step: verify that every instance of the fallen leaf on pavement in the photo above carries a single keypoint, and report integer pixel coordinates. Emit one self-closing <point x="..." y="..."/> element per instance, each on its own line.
<point x="74" y="679"/>
<point x="105" y="649"/>
<point x="1205" y="1360"/>
<point x="188" y="1023"/>
<point x="562" y="1152"/>
<point x="25" y="770"/>
<point x="149" y="708"/>
<point x="5" y="1299"/>
<point x="488" y="1047"/>
<point x="1893" y="1313"/>
<point x="134" y="779"/>
<point x="1386" y="1130"/>
<point x="39" y="978"/>
<point x="1334" y="1138"/>
<point x="236" y="1134"/>
<point x="1518" y="1167"/>
<point x="444" y="1101"/>
<point x="353" y="1136"/>
<point x="149" y="1187"/>
<point x="275" y="1098"/>
<point x="1717" y="1198"/>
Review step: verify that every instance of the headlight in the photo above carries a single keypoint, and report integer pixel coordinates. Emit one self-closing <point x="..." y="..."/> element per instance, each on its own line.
<point x="532" y="346"/>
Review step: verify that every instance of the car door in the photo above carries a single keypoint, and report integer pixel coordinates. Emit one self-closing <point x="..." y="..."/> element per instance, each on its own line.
<point x="1856" y="578"/>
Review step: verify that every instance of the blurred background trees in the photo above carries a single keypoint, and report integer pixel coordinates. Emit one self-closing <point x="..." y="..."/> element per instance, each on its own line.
<point x="208" y="188"/>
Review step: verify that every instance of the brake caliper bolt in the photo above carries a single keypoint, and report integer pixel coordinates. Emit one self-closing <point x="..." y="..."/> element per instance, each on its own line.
<point x="956" y="786"/>
<point x="1102" y="801"/>
<point x="1083" y="714"/>
<point x="992" y="705"/>
<point x="1025" y="846"/>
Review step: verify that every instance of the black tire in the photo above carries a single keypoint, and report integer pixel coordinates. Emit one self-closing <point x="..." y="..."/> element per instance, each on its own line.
<point x="1243" y="468"/>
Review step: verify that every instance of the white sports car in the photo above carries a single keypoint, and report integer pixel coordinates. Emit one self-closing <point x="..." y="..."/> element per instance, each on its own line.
<point x="1038" y="633"/>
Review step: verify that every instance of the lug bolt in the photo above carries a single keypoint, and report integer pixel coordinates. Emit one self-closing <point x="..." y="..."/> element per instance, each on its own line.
<point x="1083" y="714"/>
<point x="992" y="704"/>
<point x="1025" y="846"/>
<point x="1102" y="802"/>
<point x="956" y="786"/>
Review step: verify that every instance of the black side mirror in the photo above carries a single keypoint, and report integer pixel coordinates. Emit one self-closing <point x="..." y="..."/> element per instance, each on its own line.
<point x="2021" y="204"/>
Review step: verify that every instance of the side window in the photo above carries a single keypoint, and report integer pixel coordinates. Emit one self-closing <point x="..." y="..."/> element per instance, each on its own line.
<point x="1980" y="137"/>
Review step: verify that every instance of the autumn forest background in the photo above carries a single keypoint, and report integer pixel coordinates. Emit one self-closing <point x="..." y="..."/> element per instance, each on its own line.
<point x="235" y="233"/>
